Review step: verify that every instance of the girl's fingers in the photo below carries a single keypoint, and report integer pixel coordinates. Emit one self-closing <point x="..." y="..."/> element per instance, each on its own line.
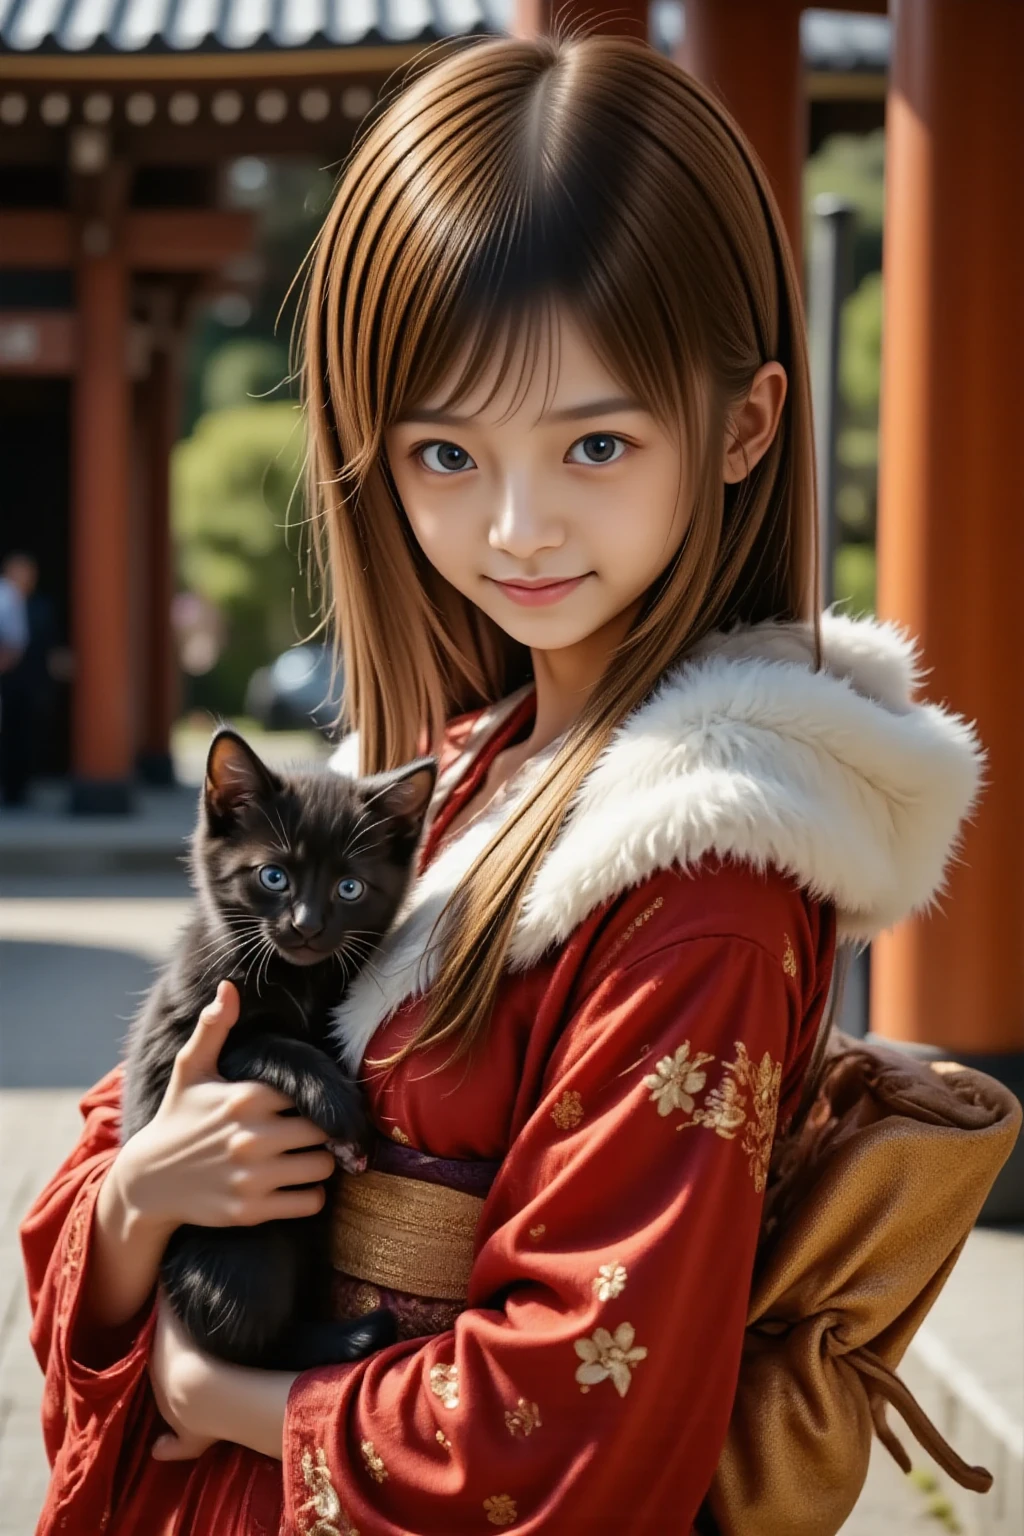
<point x="302" y="1168"/>
<point x="292" y="1135"/>
<point x="258" y="1101"/>
<point x="290" y="1204"/>
<point x="198" y="1057"/>
<point x="184" y="1447"/>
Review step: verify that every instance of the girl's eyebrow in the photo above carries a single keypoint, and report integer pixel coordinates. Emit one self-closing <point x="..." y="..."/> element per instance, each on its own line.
<point x="422" y="414"/>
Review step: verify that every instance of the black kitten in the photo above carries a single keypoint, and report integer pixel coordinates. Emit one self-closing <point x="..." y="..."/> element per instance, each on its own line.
<point x="298" y="877"/>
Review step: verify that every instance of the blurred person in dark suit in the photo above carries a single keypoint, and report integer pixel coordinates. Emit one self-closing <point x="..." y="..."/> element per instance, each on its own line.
<point x="16" y="581"/>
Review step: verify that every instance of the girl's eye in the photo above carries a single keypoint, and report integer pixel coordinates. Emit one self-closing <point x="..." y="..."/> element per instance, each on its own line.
<point x="598" y="448"/>
<point x="273" y="878"/>
<point x="350" y="889"/>
<point x="445" y="458"/>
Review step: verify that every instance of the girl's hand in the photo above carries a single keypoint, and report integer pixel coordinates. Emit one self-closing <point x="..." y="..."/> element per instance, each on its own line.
<point x="178" y="1374"/>
<point x="220" y="1154"/>
<point x="204" y="1400"/>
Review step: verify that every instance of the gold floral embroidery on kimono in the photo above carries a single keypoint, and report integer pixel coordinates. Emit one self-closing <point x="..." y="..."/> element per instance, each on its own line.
<point x="523" y="1419"/>
<point x="677" y="1078"/>
<point x="501" y="1509"/>
<point x="444" y="1383"/>
<point x="763" y="1080"/>
<point x="631" y="929"/>
<point x="609" y="1356"/>
<point x="329" y="1518"/>
<point x="568" y="1112"/>
<point x="74" y="1244"/>
<point x="374" y="1462"/>
<point x="609" y="1282"/>
<point x="746" y="1099"/>
<point x="788" y="956"/>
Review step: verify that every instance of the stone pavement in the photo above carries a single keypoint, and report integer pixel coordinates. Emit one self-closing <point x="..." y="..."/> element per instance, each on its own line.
<point x="76" y="952"/>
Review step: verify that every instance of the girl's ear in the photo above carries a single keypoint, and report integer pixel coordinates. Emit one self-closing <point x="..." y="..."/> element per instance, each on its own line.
<point x="234" y="777"/>
<point x="751" y="426"/>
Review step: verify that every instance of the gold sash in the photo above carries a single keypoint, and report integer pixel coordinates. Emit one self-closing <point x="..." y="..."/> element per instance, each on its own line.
<point x="405" y="1234"/>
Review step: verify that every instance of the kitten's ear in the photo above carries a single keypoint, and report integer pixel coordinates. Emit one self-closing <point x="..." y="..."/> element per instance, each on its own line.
<point x="403" y="794"/>
<point x="235" y="776"/>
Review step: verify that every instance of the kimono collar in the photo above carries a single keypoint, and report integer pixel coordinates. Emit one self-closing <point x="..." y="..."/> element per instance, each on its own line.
<point x="835" y="777"/>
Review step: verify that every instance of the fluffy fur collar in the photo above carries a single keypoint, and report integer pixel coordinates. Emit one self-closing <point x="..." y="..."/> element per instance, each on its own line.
<point x="835" y="777"/>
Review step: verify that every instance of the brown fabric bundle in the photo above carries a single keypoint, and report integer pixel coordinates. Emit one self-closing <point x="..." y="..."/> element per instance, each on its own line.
<point x="870" y="1200"/>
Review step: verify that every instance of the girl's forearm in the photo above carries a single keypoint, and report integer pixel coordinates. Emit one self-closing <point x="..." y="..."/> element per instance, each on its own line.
<point x="245" y="1406"/>
<point x="124" y="1254"/>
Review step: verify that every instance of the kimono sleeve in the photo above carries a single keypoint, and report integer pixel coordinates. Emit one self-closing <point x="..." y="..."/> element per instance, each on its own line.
<point x="589" y="1383"/>
<point x="93" y="1382"/>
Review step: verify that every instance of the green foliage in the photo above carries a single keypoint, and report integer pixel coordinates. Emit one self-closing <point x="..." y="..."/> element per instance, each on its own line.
<point x="243" y="371"/>
<point x="851" y="166"/>
<point x="238" y="525"/>
<point x="860" y="358"/>
<point x="854" y="571"/>
<point x="288" y="207"/>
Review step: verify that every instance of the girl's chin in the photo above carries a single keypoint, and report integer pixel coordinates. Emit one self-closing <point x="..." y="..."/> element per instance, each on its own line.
<point x="549" y="632"/>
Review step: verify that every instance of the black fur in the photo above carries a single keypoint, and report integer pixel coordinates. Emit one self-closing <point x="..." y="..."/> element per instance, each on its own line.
<point x="254" y="1295"/>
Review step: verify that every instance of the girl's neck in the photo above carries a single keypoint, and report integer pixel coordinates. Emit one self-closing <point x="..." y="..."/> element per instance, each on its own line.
<point x="565" y="679"/>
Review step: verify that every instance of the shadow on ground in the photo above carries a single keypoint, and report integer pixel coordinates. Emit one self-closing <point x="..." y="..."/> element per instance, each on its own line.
<point x="65" y="1031"/>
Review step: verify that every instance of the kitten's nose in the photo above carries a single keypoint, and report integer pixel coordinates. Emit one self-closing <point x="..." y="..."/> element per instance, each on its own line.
<point x="306" y="923"/>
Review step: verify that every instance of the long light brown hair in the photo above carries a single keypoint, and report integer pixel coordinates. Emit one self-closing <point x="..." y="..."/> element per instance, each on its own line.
<point x="517" y="176"/>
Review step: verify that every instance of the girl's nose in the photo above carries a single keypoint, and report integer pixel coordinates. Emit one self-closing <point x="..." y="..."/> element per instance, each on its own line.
<point x="522" y="524"/>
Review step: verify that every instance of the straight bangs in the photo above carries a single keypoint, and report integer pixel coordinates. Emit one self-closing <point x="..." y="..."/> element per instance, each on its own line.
<point x="515" y="182"/>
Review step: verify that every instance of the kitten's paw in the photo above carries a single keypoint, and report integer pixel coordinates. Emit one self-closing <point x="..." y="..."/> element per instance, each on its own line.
<point x="348" y="1156"/>
<point x="313" y="1344"/>
<point x="334" y="1104"/>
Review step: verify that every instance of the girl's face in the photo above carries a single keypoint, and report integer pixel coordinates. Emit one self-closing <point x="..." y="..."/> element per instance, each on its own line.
<point x="554" y="517"/>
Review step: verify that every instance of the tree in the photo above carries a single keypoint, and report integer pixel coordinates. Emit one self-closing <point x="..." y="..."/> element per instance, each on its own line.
<point x="241" y="538"/>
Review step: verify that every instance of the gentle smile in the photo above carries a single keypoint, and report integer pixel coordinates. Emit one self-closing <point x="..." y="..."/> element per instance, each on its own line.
<point x="542" y="590"/>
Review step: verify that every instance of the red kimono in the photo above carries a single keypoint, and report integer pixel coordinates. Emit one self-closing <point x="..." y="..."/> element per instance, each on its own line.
<point x="631" y="1084"/>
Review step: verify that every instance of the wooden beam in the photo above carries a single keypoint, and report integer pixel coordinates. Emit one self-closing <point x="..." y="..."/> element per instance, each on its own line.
<point x="41" y="343"/>
<point x="103" y="726"/>
<point x="161" y="394"/>
<point x="748" y="53"/>
<point x="186" y="239"/>
<point x="157" y="240"/>
<point x="951" y="533"/>
<point x="258" y="65"/>
<point x="36" y="239"/>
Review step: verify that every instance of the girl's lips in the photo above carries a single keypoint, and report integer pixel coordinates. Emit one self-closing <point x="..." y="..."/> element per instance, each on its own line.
<point x="536" y="597"/>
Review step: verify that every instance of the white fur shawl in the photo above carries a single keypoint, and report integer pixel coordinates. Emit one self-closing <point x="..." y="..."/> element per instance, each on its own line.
<point x="835" y="777"/>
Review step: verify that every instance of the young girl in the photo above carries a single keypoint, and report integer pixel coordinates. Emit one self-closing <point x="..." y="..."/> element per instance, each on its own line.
<point x="561" y="445"/>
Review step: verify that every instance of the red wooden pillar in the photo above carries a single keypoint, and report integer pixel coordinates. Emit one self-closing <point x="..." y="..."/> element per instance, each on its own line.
<point x="951" y="528"/>
<point x="102" y="733"/>
<point x="748" y="52"/>
<point x="622" y="18"/>
<point x="160" y="684"/>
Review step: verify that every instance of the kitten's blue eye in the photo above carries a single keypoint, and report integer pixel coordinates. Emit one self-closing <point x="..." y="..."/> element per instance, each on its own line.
<point x="273" y="878"/>
<point x="350" y="889"/>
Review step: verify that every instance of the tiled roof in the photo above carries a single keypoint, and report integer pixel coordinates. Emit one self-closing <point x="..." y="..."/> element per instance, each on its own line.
<point x="830" y="40"/>
<point x="212" y="26"/>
